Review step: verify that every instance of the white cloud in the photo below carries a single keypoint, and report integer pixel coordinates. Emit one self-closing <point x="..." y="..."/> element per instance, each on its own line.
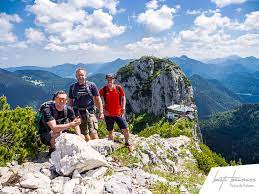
<point x="75" y="47"/>
<point x="178" y="7"/>
<point x="6" y="23"/>
<point x="223" y="3"/>
<point x="54" y="47"/>
<point x="157" y="20"/>
<point x="98" y="26"/>
<point x="76" y="25"/>
<point x="47" y="11"/>
<point x="193" y="12"/>
<point x="19" y="45"/>
<point x="207" y="31"/>
<point x="34" y="36"/>
<point x="146" y="44"/>
<point x="252" y="21"/>
<point x="248" y="40"/>
<point x="238" y="10"/>
<point x="218" y="36"/>
<point x="55" y="40"/>
<point x="153" y="4"/>
<point x="213" y="22"/>
<point x="111" y="5"/>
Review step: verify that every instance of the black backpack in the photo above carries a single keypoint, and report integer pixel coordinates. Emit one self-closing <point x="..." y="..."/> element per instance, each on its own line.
<point x="41" y="123"/>
<point x="76" y="95"/>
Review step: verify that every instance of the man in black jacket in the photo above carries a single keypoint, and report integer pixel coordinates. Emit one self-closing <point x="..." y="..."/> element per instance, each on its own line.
<point x="58" y="117"/>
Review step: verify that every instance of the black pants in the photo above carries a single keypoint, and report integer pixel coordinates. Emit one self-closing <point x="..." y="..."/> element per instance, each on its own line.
<point x="121" y="122"/>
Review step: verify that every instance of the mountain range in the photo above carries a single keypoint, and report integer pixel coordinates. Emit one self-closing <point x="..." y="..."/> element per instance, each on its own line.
<point x="67" y="70"/>
<point x="234" y="134"/>
<point x="244" y="84"/>
<point x="48" y="81"/>
<point x="211" y="96"/>
<point x="20" y="92"/>
<point x="234" y="74"/>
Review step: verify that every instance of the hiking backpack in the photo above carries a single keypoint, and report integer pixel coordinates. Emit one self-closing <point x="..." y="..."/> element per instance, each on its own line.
<point x="87" y="87"/>
<point x="75" y="94"/>
<point x="105" y="93"/>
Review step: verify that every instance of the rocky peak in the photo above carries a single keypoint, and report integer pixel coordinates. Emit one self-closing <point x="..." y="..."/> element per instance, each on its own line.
<point x="152" y="84"/>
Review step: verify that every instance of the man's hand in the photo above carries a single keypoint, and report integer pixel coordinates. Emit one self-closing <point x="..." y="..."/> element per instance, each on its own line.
<point x="82" y="136"/>
<point x="123" y="112"/>
<point x="75" y="122"/>
<point x="106" y="113"/>
<point x="101" y="116"/>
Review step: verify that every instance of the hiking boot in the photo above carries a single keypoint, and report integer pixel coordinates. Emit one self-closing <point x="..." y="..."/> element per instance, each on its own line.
<point x="130" y="147"/>
<point x="110" y="137"/>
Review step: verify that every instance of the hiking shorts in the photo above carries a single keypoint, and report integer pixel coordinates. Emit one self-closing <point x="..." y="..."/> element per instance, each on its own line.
<point x="121" y="122"/>
<point x="89" y="124"/>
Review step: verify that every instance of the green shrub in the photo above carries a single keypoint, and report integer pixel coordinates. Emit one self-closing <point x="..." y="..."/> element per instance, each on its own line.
<point x="18" y="134"/>
<point x="182" y="126"/>
<point x="126" y="71"/>
<point x="207" y="159"/>
<point x="142" y="120"/>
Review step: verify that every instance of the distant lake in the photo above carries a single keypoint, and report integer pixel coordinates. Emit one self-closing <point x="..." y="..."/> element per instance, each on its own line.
<point x="246" y="94"/>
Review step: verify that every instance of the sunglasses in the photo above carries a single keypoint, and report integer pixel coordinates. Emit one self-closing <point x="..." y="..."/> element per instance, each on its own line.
<point x="61" y="100"/>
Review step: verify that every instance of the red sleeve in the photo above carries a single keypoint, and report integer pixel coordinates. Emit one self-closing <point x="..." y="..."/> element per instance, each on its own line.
<point x="101" y="92"/>
<point x="122" y="93"/>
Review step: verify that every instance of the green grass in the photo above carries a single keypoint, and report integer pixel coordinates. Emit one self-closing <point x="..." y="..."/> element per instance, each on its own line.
<point x="109" y="172"/>
<point x="102" y="130"/>
<point x="163" y="188"/>
<point x="121" y="155"/>
<point x="188" y="180"/>
<point x="168" y="176"/>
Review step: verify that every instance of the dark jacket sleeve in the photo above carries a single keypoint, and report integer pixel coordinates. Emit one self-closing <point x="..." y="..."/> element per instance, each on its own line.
<point x="94" y="90"/>
<point x="47" y="114"/>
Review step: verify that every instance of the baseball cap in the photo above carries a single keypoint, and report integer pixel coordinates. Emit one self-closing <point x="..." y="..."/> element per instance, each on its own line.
<point x="110" y="75"/>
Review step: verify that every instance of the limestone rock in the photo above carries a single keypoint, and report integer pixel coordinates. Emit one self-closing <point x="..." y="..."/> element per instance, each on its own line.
<point x="184" y="190"/>
<point x="72" y="152"/>
<point x="143" y="191"/>
<point x="5" y="174"/>
<point x="143" y="178"/>
<point x="99" y="172"/>
<point x="118" y="183"/>
<point x="70" y="185"/>
<point x="35" y="181"/>
<point x="103" y="146"/>
<point x="57" y="184"/>
<point x="10" y="190"/>
<point x="177" y="142"/>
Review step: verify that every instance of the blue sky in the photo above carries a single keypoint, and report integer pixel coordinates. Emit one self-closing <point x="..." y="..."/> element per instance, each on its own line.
<point x="52" y="32"/>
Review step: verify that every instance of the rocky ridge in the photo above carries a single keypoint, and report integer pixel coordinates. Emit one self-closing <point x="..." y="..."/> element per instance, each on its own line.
<point x="156" y="164"/>
<point x="152" y="84"/>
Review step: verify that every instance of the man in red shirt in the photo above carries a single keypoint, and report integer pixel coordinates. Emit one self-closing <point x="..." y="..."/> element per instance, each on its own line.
<point x="114" y="108"/>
